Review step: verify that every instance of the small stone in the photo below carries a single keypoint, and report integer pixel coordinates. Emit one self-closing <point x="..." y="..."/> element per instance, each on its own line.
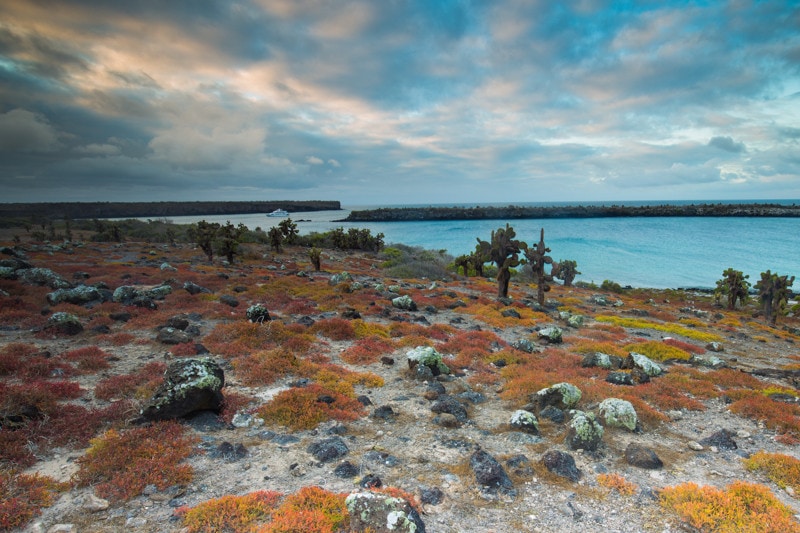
<point x="95" y="504"/>
<point x="136" y="521"/>
<point x="229" y="300"/>
<point x="562" y="464"/>
<point x="446" y="420"/>
<point x="370" y="481"/>
<point x="62" y="528"/>
<point x="384" y="412"/>
<point x="722" y="439"/>
<point x="297" y="470"/>
<point x="524" y="421"/>
<point x="242" y="420"/>
<point x="431" y="496"/>
<point x="642" y="457"/>
<point x="328" y="449"/>
<point x="694" y="445"/>
<point x="345" y="469"/>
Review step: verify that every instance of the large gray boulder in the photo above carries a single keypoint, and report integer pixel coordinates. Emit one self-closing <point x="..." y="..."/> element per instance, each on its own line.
<point x="381" y="513"/>
<point x="490" y="475"/>
<point x="618" y="413"/>
<point x="80" y="295"/>
<point x="64" y="323"/>
<point x="584" y="432"/>
<point x="190" y="385"/>
<point x="42" y="276"/>
<point x="561" y="395"/>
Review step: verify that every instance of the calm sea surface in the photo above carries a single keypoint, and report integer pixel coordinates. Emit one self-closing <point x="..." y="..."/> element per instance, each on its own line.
<point x="664" y="252"/>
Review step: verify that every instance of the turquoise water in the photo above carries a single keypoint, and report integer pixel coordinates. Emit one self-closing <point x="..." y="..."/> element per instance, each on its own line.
<point x="641" y="252"/>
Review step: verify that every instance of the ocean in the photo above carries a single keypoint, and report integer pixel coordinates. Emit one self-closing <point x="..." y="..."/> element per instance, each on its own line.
<point x="669" y="252"/>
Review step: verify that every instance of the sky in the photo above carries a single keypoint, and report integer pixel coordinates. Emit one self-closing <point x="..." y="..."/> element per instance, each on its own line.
<point x="385" y="102"/>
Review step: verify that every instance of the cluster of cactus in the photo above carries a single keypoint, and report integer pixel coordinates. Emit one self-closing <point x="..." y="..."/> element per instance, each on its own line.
<point x="538" y="258"/>
<point x="734" y="286"/>
<point x="471" y="263"/>
<point x="503" y="250"/>
<point x="228" y="239"/>
<point x="285" y="231"/>
<point x="211" y="236"/>
<point x="289" y="230"/>
<point x="565" y="270"/>
<point x="773" y="292"/>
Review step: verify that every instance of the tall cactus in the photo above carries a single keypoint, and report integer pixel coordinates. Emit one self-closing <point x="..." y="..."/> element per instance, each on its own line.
<point x="503" y="251"/>
<point x="734" y="285"/>
<point x="538" y="258"/>
<point x="773" y="291"/>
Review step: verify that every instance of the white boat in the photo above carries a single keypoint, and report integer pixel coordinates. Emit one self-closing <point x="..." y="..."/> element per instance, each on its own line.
<point x="279" y="213"/>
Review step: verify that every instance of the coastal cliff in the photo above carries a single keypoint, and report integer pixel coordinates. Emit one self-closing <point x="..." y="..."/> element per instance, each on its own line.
<point x="522" y="212"/>
<point x="77" y="210"/>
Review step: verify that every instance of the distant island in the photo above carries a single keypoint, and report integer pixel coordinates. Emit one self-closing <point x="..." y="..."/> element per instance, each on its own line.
<point x="403" y="214"/>
<point x="77" y="210"/>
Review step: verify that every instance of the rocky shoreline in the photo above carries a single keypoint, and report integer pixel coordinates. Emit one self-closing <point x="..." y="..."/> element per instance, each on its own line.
<point x="511" y="212"/>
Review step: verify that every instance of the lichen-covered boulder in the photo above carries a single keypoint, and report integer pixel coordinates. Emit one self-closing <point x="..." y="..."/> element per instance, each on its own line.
<point x="618" y="413"/>
<point x="42" y="276"/>
<point x="715" y="347"/>
<point x="584" y="432"/>
<point x="602" y="360"/>
<point x="140" y="296"/>
<point x="708" y="361"/>
<point x="341" y="277"/>
<point x="80" y="295"/>
<point x="524" y="345"/>
<point x="381" y="513"/>
<point x="644" y="363"/>
<point x="490" y="475"/>
<point x="561" y="395"/>
<point x="429" y="357"/>
<point x="65" y="323"/>
<point x="524" y="421"/>
<point x="257" y="313"/>
<point x="552" y="334"/>
<point x="404" y="302"/>
<point x="7" y="272"/>
<point x="575" y="321"/>
<point x="189" y="385"/>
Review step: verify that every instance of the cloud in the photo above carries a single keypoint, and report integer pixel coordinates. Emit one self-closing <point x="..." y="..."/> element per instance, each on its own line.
<point x="24" y="131"/>
<point x="727" y="144"/>
<point x="214" y="149"/>
<point x="465" y="100"/>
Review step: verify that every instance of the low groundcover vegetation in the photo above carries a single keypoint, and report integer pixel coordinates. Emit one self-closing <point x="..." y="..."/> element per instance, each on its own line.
<point x="320" y="397"/>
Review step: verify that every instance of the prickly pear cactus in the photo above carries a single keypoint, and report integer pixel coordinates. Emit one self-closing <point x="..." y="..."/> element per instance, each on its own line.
<point x="538" y="258"/>
<point x="503" y="251"/>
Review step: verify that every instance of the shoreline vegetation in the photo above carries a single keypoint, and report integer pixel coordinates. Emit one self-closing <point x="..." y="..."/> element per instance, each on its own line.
<point x="515" y="212"/>
<point x="88" y="210"/>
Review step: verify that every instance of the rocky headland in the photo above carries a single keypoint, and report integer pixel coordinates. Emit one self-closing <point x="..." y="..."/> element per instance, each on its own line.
<point x="84" y="210"/>
<point x="512" y="212"/>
